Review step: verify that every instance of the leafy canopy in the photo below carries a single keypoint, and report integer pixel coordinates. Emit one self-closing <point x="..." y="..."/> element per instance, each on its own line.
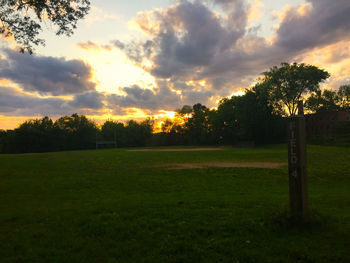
<point x="290" y="82"/>
<point x="22" y="19"/>
<point x="320" y="101"/>
<point x="344" y="96"/>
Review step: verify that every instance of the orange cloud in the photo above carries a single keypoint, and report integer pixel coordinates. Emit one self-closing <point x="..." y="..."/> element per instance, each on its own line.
<point x="89" y="45"/>
<point x="5" y="82"/>
<point x="334" y="58"/>
<point x="255" y="12"/>
<point x="145" y="23"/>
<point x="338" y="52"/>
<point x="288" y="11"/>
<point x="332" y="55"/>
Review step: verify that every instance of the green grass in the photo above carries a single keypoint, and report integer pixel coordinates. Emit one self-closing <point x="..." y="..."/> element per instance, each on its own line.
<point x="118" y="206"/>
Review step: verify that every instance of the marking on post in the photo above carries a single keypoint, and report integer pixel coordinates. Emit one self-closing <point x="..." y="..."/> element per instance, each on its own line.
<point x="297" y="166"/>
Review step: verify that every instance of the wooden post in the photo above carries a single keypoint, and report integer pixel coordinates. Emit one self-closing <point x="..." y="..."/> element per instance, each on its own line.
<point x="96" y="141"/>
<point x="297" y="165"/>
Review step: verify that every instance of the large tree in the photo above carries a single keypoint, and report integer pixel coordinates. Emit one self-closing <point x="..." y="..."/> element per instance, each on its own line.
<point x="22" y="19"/>
<point x="250" y="117"/>
<point x="197" y="125"/>
<point x="290" y="82"/>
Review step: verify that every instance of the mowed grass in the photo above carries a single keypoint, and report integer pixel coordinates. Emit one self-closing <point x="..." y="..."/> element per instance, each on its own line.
<point x="120" y="206"/>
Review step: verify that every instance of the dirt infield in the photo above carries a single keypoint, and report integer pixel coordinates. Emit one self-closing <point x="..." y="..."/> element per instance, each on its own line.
<point x="178" y="150"/>
<point x="181" y="166"/>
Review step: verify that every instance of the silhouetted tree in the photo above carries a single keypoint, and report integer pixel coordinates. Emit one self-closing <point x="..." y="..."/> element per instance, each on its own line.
<point x="197" y="125"/>
<point x="76" y="132"/>
<point x="174" y="131"/>
<point x="259" y="116"/>
<point x="224" y="123"/>
<point x="252" y="116"/>
<point x="23" y="19"/>
<point x="39" y="135"/>
<point x="36" y="136"/>
<point x="111" y="131"/>
<point x="186" y="109"/>
<point x="290" y="82"/>
<point x="344" y="97"/>
<point x="137" y="134"/>
<point x="320" y="101"/>
<point x="3" y="141"/>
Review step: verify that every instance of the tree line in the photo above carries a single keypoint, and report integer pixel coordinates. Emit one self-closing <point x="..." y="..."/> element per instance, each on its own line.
<point x="256" y="116"/>
<point x="75" y="132"/>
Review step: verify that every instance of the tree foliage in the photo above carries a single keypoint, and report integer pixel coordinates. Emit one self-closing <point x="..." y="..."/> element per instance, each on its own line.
<point x="320" y="101"/>
<point x="198" y="125"/>
<point x="344" y="96"/>
<point x="290" y="82"/>
<point x="329" y="100"/>
<point x="23" y="19"/>
<point x="250" y="117"/>
<point x="75" y="132"/>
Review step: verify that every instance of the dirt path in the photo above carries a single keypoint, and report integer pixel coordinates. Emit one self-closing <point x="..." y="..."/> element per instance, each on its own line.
<point x="181" y="166"/>
<point x="178" y="150"/>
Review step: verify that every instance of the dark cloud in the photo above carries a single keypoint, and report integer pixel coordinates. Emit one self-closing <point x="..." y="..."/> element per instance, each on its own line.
<point x="190" y="36"/>
<point x="328" y="21"/>
<point x="118" y="44"/>
<point x="91" y="100"/>
<point x="14" y="103"/>
<point x="161" y="98"/>
<point x="135" y="50"/>
<point x="47" y="75"/>
<point x="193" y="97"/>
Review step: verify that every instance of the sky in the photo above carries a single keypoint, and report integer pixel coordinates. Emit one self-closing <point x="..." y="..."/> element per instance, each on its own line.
<point x="137" y="59"/>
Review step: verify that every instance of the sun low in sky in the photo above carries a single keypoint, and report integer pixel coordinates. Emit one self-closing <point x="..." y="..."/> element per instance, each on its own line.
<point x="137" y="59"/>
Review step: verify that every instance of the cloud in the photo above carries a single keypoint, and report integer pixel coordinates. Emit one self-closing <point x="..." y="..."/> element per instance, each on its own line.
<point x="16" y="103"/>
<point x="118" y="44"/>
<point x="136" y="51"/>
<point x="325" y="22"/>
<point x="190" y="41"/>
<point x="254" y="12"/>
<point x="190" y="36"/>
<point x="161" y="98"/>
<point x="46" y="75"/>
<point x="89" y="45"/>
<point x="91" y="100"/>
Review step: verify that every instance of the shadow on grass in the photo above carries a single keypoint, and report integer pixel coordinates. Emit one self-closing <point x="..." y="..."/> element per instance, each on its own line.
<point x="283" y="221"/>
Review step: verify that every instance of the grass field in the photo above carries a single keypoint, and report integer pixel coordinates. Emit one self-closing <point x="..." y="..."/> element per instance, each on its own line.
<point x="120" y="206"/>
